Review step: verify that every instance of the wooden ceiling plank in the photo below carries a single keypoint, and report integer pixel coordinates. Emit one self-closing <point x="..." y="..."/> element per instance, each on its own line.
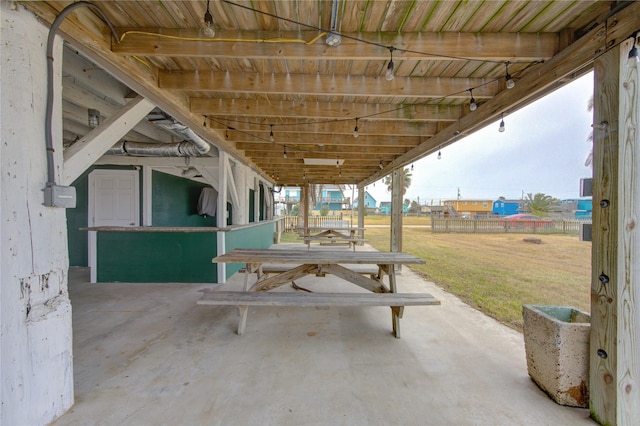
<point x="285" y="126"/>
<point x="363" y="140"/>
<point x="320" y="110"/>
<point x="247" y="44"/>
<point x="301" y="84"/>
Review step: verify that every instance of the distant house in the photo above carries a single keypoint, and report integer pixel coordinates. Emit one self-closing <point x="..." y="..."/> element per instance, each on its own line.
<point x="385" y="207"/>
<point x="369" y="201"/>
<point x="331" y="197"/>
<point x="471" y="208"/>
<point x="507" y="207"/>
<point x="579" y="208"/>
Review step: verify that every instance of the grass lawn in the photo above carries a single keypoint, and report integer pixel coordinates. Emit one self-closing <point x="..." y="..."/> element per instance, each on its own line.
<point x="498" y="273"/>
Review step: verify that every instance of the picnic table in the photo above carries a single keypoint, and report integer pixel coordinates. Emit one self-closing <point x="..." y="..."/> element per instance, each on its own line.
<point x="332" y="236"/>
<point x="345" y="265"/>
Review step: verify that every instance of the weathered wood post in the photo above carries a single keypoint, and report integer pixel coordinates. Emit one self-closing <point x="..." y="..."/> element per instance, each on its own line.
<point x="615" y="283"/>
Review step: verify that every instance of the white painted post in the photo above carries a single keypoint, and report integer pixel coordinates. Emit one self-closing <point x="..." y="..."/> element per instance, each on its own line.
<point x="36" y="339"/>
<point x="147" y="195"/>
<point x="361" y="208"/>
<point x="222" y="213"/>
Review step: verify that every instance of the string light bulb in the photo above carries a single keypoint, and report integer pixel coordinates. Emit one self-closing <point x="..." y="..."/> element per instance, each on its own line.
<point x="633" y="59"/>
<point x="411" y="166"/>
<point x="208" y="22"/>
<point x="355" y="130"/>
<point x="472" y="103"/>
<point x="204" y="124"/>
<point x="501" y="128"/>
<point x="284" y="152"/>
<point x="439" y="155"/>
<point x="389" y="75"/>
<point x="271" y="138"/>
<point x="381" y="165"/>
<point x="510" y="83"/>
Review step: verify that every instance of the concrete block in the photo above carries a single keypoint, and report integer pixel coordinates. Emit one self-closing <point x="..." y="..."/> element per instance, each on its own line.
<point x="556" y="342"/>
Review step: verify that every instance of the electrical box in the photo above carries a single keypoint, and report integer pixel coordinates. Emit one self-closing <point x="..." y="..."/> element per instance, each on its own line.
<point x="60" y="196"/>
<point x="586" y="187"/>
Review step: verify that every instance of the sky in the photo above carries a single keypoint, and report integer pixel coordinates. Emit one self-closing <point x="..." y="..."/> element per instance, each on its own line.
<point x="543" y="149"/>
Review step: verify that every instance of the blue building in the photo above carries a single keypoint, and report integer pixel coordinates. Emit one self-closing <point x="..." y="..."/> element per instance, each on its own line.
<point x="584" y="209"/>
<point x="507" y="207"/>
<point x="332" y="197"/>
<point x="369" y="201"/>
<point x="385" y="207"/>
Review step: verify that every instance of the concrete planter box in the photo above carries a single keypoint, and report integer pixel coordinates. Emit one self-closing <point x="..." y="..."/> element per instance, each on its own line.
<point x="556" y="340"/>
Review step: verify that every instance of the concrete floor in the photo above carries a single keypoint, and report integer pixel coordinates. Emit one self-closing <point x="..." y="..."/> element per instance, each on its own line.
<point x="147" y="354"/>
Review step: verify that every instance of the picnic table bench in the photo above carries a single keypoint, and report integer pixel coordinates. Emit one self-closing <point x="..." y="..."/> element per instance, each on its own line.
<point x="332" y="236"/>
<point x="319" y="263"/>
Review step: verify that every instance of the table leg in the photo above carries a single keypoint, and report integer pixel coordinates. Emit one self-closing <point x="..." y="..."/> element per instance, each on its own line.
<point x="244" y="310"/>
<point x="396" y="311"/>
<point x="250" y="268"/>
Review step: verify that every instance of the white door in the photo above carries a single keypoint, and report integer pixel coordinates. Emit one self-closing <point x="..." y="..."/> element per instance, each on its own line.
<point x="113" y="201"/>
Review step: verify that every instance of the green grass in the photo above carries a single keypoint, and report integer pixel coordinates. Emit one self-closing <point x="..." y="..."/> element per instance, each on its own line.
<point x="497" y="273"/>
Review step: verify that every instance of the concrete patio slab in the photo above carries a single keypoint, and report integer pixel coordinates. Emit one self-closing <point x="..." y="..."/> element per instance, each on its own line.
<point x="146" y="354"/>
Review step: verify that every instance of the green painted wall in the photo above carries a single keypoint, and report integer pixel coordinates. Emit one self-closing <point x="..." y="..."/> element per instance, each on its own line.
<point x="157" y="257"/>
<point x="259" y="236"/>
<point x="175" y="201"/>
<point x="78" y="218"/>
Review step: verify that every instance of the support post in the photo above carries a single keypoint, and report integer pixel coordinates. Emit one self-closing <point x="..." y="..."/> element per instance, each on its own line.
<point x="614" y="378"/>
<point x="361" y="208"/>
<point x="222" y="213"/>
<point x="397" y="185"/>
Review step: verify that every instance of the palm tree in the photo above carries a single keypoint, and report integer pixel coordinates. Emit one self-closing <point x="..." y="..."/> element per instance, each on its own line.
<point x="406" y="181"/>
<point x="540" y="204"/>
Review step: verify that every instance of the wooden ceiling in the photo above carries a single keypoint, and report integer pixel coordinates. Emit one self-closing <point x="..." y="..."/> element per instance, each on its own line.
<point x="269" y="70"/>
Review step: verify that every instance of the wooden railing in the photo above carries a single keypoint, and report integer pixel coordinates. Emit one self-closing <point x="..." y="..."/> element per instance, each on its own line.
<point x="334" y="221"/>
<point x="489" y="226"/>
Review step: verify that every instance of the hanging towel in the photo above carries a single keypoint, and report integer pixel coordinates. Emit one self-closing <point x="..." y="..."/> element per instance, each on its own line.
<point x="208" y="202"/>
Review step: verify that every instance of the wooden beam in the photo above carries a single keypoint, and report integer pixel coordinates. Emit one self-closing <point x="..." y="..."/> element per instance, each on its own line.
<point x="538" y="81"/>
<point x="323" y="110"/>
<point x="299" y="151"/>
<point x="82" y="154"/>
<point x="239" y="124"/>
<point x="363" y="140"/>
<point x="268" y="45"/>
<point x="320" y="85"/>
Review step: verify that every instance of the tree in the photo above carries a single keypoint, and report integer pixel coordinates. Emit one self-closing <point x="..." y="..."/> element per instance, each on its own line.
<point x="406" y="181"/>
<point x="540" y="204"/>
<point x="415" y="207"/>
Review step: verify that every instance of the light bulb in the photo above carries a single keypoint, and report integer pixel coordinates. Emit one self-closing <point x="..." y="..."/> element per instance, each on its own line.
<point x="380" y="165"/>
<point x="209" y="31"/>
<point x="389" y="74"/>
<point x="510" y="83"/>
<point x="284" y="154"/>
<point x="473" y="106"/>
<point x="271" y="138"/>
<point x="355" y="132"/>
<point x="208" y="22"/>
<point x="439" y="155"/>
<point x="501" y="128"/>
